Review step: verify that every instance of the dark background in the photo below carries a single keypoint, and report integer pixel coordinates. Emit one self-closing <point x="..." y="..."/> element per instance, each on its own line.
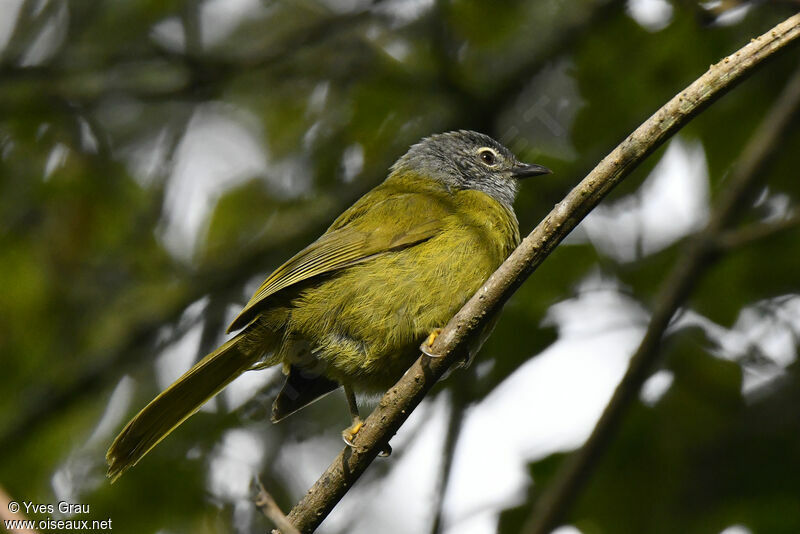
<point x="159" y="158"/>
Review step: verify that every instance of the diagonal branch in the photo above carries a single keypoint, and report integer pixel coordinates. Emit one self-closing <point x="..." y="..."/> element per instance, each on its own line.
<point x="400" y="400"/>
<point x="699" y="255"/>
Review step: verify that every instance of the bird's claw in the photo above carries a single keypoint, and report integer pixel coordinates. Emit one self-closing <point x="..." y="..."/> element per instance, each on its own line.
<point x="349" y="433"/>
<point x="426" y="345"/>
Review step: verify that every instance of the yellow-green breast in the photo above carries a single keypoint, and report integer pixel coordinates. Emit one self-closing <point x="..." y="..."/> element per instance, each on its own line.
<point x="365" y="323"/>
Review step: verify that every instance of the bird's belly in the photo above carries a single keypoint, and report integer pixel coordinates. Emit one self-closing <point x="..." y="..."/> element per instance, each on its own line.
<point x="365" y="324"/>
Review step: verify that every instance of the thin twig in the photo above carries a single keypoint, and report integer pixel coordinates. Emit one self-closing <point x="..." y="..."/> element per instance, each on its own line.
<point x="455" y="423"/>
<point x="700" y="253"/>
<point x="272" y="511"/>
<point x="747" y="235"/>
<point x="400" y="400"/>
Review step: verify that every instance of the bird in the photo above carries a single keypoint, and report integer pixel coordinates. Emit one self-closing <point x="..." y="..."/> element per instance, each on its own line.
<point x="354" y="308"/>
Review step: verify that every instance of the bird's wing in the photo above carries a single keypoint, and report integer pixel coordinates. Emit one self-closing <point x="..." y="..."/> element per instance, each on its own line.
<point x="406" y="219"/>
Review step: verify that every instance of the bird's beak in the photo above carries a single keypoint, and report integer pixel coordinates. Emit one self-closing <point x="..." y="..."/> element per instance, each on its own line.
<point x="526" y="170"/>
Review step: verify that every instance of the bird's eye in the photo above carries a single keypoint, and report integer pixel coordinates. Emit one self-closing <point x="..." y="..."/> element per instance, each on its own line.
<point x="488" y="156"/>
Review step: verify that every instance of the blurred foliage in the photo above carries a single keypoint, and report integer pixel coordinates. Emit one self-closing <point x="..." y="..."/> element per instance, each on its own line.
<point x="699" y="460"/>
<point x="135" y="212"/>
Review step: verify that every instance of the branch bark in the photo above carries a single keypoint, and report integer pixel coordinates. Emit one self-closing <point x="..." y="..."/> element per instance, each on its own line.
<point x="272" y="511"/>
<point x="700" y="254"/>
<point x="400" y="400"/>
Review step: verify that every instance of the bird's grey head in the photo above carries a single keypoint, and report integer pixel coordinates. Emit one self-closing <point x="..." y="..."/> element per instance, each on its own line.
<point x="468" y="160"/>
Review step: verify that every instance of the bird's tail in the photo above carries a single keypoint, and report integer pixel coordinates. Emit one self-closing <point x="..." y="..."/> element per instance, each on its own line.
<point x="179" y="401"/>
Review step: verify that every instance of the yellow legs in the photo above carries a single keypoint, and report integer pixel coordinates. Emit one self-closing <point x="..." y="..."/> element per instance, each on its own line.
<point x="349" y="433"/>
<point x="426" y="345"/>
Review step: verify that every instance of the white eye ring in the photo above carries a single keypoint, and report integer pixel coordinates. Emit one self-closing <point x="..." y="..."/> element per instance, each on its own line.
<point x="488" y="156"/>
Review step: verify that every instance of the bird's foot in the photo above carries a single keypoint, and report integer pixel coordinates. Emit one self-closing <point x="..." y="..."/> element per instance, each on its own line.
<point x="349" y="433"/>
<point x="426" y="345"/>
